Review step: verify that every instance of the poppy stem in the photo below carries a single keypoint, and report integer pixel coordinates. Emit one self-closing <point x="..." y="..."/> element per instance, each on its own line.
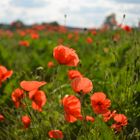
<point x="59" y="88"/>
<point x="83" y="114"/>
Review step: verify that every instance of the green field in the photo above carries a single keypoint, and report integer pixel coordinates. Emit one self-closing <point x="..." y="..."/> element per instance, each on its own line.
<point x="112" y="66"/>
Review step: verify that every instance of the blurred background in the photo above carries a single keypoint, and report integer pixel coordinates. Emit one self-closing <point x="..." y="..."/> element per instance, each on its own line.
<point x="75" y="13"/>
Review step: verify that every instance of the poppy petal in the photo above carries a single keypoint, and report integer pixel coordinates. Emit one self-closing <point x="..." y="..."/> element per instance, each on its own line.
<point x="31" y="85"/>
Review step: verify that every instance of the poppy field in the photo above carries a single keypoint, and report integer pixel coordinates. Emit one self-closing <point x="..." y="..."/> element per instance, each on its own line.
<point x="70" y="85"/>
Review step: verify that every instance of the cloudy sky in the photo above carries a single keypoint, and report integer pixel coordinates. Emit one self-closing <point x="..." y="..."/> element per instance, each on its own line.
<point x="81" y="13"/>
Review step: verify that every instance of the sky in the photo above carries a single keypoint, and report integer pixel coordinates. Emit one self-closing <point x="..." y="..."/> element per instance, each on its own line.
<point x="80" y="13"/>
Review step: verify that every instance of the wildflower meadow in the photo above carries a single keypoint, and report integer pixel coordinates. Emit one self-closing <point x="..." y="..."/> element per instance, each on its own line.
<point x="69" y="85"/>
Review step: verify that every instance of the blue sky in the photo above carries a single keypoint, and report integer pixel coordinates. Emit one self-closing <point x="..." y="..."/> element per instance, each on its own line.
<point x="81" y="13"/>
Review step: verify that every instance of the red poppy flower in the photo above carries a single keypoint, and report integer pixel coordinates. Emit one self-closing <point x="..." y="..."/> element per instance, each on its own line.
<point x="127" y="28"/>
<point x="74" y="74"/>
<point x="4" y="74"/>
<point x="34" y="35"/>
<point x="17" y="95"/>
<point x="57" y="134"/>
<point x="26" y="121"/>
<point x="108" y="115"/>
<point x="22" y="33"/>
<point x="38" y="98"/>
<point x="72" y="108"/>
<point x="50" y="64"/>
<point x="99" y="103"/>
<point x="81" y="84"/>
<point x="121" y="120"/>
<point x="90" y="118"/>
<point x="70" y="36"/>
<point x="65" y="56"/>
<point x="31" y="85"/>
<point x="89" y="40"/>
<point x="94" y="32"/>
<point x="1" y="118"/>
<point x="24" y="43"/>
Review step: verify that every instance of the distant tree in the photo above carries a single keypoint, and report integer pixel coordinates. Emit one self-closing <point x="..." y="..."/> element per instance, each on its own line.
<point x="54" y="23"/>
<point x="17" y="24"/>
<point x="110" y="21"/>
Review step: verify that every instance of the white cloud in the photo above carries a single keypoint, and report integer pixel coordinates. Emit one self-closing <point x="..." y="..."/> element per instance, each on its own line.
<point x="28" y="4"/>
<point x="82" y="13"/>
